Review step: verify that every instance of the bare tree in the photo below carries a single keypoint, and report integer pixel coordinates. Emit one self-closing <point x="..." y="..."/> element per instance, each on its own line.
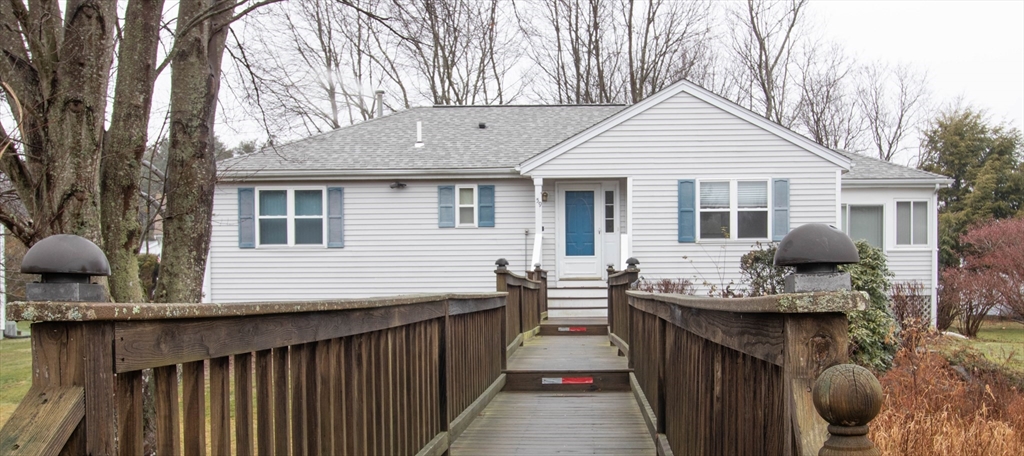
<point x="312" y="65"/>
<point x="827" y="110"/>
<point x="70" y="173"/>
<point x="891" y="100"/>
<point x="765" y="36"/>
<point x="459" y="49"/>
<point x="574" y="43"/>
<point x="666" y="41"/>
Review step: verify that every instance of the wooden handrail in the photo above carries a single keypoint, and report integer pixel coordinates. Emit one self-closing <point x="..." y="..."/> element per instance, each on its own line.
<point x="527" y="303"/>
<point x="738" y="373"/>
<point x="394" y="375"/>
<point x="618" y="306"/>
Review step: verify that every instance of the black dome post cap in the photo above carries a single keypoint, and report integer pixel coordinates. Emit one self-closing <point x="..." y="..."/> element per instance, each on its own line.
<point x="65" y="254"/>
<point x="632" y="261"/>
<point x="816" y="244"/>
<point x="501" y="263"/>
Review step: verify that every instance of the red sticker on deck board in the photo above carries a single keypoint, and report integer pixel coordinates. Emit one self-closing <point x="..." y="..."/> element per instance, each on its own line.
<point x="572" y="329"/>
<point x="566" y="380"/>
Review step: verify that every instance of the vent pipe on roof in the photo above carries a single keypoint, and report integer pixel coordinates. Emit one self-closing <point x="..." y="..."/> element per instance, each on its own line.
<point x="419" y="134"/>
<point x="379" y="101"/>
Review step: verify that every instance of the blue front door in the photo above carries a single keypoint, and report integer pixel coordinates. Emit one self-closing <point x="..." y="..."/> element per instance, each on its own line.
<point x="579" y="223"/>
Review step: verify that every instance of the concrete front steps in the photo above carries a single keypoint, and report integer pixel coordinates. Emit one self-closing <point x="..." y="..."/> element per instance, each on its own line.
<point x="582" y="298"/>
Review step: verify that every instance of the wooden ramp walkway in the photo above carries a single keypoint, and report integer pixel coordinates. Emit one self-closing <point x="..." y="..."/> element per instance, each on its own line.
<point x="565" y="394"/>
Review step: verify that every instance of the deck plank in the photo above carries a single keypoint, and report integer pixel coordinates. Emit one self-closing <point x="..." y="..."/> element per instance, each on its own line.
<point x="544" y="423"/>
<point x="562" y="353"/>
<point x="575" y="321"/>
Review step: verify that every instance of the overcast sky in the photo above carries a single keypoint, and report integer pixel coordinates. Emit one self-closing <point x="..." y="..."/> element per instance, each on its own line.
<point x="973" y="49"/>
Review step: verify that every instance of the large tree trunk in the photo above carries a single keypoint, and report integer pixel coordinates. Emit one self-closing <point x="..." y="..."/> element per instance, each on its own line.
<point x="61" y="76"/>
<point x="124" y="147"/>
<point x="191" y="167"/>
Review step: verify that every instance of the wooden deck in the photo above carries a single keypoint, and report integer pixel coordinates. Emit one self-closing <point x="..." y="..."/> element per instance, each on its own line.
<point x="537" y="415"/>
<point x="531" y="423"/>
<point x="567" y="353"/>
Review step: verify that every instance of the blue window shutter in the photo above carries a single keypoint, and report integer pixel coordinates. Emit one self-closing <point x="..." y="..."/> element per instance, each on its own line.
<point x="335" y="217"/>
<point x="780" y="208"/>
<point x="446" y="206"/>
<point x="247" y="218"/>
<point x="687" y="210"/>
<point x="486" y="202"/>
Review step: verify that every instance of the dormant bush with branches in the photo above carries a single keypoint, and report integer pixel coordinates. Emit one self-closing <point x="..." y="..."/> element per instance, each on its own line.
<point x="992" y="274"/>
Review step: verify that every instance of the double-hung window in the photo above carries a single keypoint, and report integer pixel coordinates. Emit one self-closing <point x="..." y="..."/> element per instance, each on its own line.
<point x="911" y="223"/>
<point x="466" y="215"/>
<point x="465" y="206"/>
<point x="291" y="217"/>
<point x="734" y="209"/>
<point x="311" y="216"/>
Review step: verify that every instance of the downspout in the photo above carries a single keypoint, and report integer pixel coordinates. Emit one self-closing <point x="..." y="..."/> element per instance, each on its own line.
<point x="935" y="257"/>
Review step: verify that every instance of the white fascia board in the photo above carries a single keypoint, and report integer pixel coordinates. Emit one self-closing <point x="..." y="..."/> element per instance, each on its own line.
<point x="878" y="183"/>
<point x="702" y="94"/>
<point x="372" y="174"/>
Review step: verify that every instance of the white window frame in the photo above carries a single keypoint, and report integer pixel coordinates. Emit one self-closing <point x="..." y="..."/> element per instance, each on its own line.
<point x="458" y="206"/>
<point x="896" y="224"/>
<point x="290" y="216"/>
<point x="734" y="210"/>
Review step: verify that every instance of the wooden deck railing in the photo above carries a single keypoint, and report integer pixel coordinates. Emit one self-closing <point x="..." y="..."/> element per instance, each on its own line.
<point x="375" y="376"/>
<point x="618" y="305"/>
<point x="734" y="376"/>
<point x="527" y="299"/>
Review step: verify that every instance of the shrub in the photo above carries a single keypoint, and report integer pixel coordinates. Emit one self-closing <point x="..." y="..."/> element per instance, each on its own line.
<point x="932" y="407"/>
<point x="974" y="293"/>
<point x="873" y="332"/>
<point x="677" y="286"/>
<point x="996" y="250"/>
<point x="758" y="270"/>
<point x="909" y="305"/>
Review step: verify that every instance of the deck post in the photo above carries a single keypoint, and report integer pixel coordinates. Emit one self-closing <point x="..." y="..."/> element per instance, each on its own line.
<point x="501" y="274"/>
<point x="848" y="396"/>
<point x="812" y="343"/>
<point x="75" y="354"/>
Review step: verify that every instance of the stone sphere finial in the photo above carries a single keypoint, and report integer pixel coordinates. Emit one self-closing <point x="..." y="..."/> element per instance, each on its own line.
<point x="65" y="258"/>
<point x="848" y="397"/>
<point x="816" y="247"/>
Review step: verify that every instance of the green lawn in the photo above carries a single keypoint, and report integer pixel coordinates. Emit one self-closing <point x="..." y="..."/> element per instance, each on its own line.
<point x="15" y="372"/>
<point x="1001" y="342"/>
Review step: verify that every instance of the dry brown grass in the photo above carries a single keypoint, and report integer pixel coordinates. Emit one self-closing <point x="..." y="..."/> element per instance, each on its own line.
<point x="932" y="408"/>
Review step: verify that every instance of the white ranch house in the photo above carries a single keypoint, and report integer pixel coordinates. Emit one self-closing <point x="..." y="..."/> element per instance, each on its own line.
<point x="427" y="199"/>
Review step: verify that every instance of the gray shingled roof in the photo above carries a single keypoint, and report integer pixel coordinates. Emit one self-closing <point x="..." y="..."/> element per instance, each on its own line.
<point x="865" y="167"/>
<point x="452" y="140"/>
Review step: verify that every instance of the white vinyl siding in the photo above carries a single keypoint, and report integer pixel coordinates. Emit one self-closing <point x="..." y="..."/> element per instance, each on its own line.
<point x="392" y="246"/>
<point x="686" y="138"/>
